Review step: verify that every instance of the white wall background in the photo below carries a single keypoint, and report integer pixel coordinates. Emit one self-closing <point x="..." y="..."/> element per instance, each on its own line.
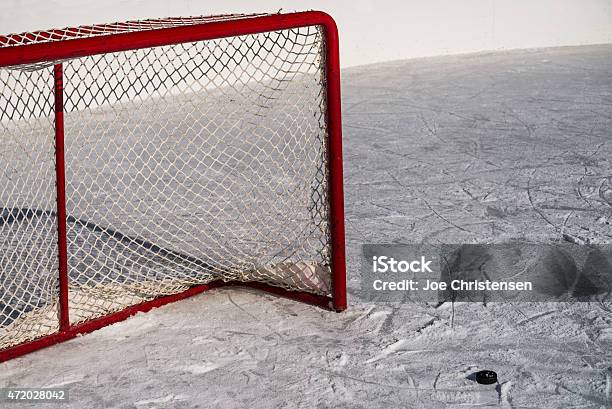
<point x="370" y="30"/>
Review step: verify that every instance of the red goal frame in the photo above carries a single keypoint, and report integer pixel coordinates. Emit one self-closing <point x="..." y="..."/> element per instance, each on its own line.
<point x="27" y="48"/>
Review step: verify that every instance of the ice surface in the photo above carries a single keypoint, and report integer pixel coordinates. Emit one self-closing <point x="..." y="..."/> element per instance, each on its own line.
<point x="474" y="148"/>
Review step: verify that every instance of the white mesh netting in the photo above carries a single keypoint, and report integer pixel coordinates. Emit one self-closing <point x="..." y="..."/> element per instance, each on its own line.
<point x="185" y="164"/>
<point x="28" y="227"/>
<point x="95" y="30"/>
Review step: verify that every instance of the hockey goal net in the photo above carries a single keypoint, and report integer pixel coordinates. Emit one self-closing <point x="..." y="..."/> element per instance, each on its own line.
<point x="145" y="161"/>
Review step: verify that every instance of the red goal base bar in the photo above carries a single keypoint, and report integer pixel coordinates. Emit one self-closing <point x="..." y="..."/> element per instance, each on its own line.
<point x="95" y="324"/>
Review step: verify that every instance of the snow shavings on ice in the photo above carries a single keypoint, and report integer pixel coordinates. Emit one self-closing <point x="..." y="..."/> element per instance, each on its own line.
<point x="474" y="148"/>
<point x="239" y="348"/>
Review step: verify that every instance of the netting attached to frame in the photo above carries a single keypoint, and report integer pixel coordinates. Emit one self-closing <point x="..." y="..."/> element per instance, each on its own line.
<point x="95" y="30"/>
<point x="185" y="164"/>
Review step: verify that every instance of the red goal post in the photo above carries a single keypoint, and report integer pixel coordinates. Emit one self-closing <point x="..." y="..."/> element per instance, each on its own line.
<point x="89" y="273"/>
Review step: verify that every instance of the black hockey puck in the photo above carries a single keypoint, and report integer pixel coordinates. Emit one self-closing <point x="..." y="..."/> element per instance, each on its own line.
<point x="486" y="377"/>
